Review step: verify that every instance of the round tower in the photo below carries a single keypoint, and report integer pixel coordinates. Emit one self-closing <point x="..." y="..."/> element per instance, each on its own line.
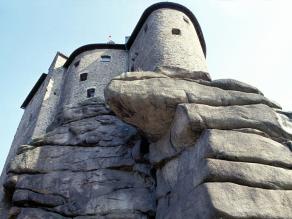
<point x="167" y="34"/>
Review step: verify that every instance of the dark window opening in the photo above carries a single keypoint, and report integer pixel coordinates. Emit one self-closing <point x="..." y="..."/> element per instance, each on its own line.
<point x="83" y="77"/>
<point x="105" y="58"/>
<point x="90" y="92"/>
<point x="76" y="63"/>
<point x="132" y="68"/>
<point x="176" y="31"/>
<point x="145" y="28"/>
<point x="186" y="20"/>
<point x="30" y="117"/>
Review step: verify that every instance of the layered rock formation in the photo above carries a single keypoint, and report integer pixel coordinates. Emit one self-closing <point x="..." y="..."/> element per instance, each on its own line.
<point x="168" y="144"/>
<point x="220" y="148"/>
<point x="89" y="165"/>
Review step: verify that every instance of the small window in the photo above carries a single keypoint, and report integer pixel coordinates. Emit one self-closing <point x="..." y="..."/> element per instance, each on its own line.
<point x="83" y="77"/>
<point x="132" y="68"/>
<point x="145" y="28"/>
<point x="176" y="31"/>
<point x="186" y="20"/>
<point x="90" y="92"/>
<point x="105" y="58"/>
<point x="76" y="63"/>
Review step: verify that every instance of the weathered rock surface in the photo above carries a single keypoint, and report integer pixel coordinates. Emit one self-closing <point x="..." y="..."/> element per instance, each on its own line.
<point x="34" y="213"/>
<point x="229" y="200"/>
<point x="198" y="117"/>
<point x="90" y="165"/>
<point x="58" y="158"/>
<point x="175" y="72"/>
<point x="87" y="193"/>
<point x="220" y="148"/>
<point x="248" y="162"/>
<point x="191" y="119"/>
<point x="148" y="100"/>
<point x="231" y="84"/>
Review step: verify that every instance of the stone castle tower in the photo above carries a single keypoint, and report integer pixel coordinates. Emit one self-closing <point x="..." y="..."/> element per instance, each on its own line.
<point x="139" y="130"/>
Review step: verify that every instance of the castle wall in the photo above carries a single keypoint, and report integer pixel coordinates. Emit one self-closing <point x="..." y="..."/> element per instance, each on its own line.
<point x="50" y="101"/>
<point x="155" y="44"/>
<point x="99" y="73"/>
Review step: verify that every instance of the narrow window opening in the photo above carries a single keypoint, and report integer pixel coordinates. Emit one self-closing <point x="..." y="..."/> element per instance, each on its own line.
<point x="83" y="77"/>
<point x="76" y="63"/>
<point x="105" y="58"/>
<point x="186" y="20"/>
<point x="145" y="28"/>
<point x="176" y="31"/>
<point x="132" y="68"/>
<point x="30" y="117"/>
<point x="90" y="92"/>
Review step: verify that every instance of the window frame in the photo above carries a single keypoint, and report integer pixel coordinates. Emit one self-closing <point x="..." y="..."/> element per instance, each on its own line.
<point x="176" y="31"/>
<point x="105" y="58"/>
<point x="90" y="92"/>
<point x="76" y="64"/>
<point x="83" y="76"/>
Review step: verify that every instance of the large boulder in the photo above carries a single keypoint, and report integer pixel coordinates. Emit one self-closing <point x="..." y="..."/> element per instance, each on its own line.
<point x="148" y="100"/>
<point x="191" y="120"/>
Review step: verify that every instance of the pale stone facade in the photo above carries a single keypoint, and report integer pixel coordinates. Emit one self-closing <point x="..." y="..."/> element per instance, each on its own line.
<point x="157" y="46"/>
<point x="99" y="73"/>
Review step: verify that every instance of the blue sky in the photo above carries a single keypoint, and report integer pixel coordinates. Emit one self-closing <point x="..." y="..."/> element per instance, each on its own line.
<point x="248" y="40"/>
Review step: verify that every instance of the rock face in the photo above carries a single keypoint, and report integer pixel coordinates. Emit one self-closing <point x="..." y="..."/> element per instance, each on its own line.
<point x="90" y="165"/>
<point x="169" y="144"/>
<point x="220" y="148"/>
<point x="148" y="100"/>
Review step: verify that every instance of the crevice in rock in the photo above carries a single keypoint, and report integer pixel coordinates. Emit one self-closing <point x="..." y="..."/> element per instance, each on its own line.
<point x="121" y="168"/>
<point x="252" y="160"/>
<point x="241" y="183"/>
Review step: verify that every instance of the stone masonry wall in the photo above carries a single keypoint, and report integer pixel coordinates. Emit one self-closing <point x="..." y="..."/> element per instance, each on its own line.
<point x="156" y="46"/>
<point x="51" y="99"/>
<point x="99" y="74"/>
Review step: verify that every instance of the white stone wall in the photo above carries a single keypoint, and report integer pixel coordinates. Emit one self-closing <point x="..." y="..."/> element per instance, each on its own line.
<point x="159" y="47"/>
<point x="50" y="102"/>
<point x="99" y="74"/>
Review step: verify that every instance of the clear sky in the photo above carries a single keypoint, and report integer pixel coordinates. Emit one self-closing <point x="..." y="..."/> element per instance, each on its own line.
<point x="247" y="40"/>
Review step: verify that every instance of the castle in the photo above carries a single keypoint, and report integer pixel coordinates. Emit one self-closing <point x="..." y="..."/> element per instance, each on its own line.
<point x="140" y="130"/>
<point x="167" y="34"/>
